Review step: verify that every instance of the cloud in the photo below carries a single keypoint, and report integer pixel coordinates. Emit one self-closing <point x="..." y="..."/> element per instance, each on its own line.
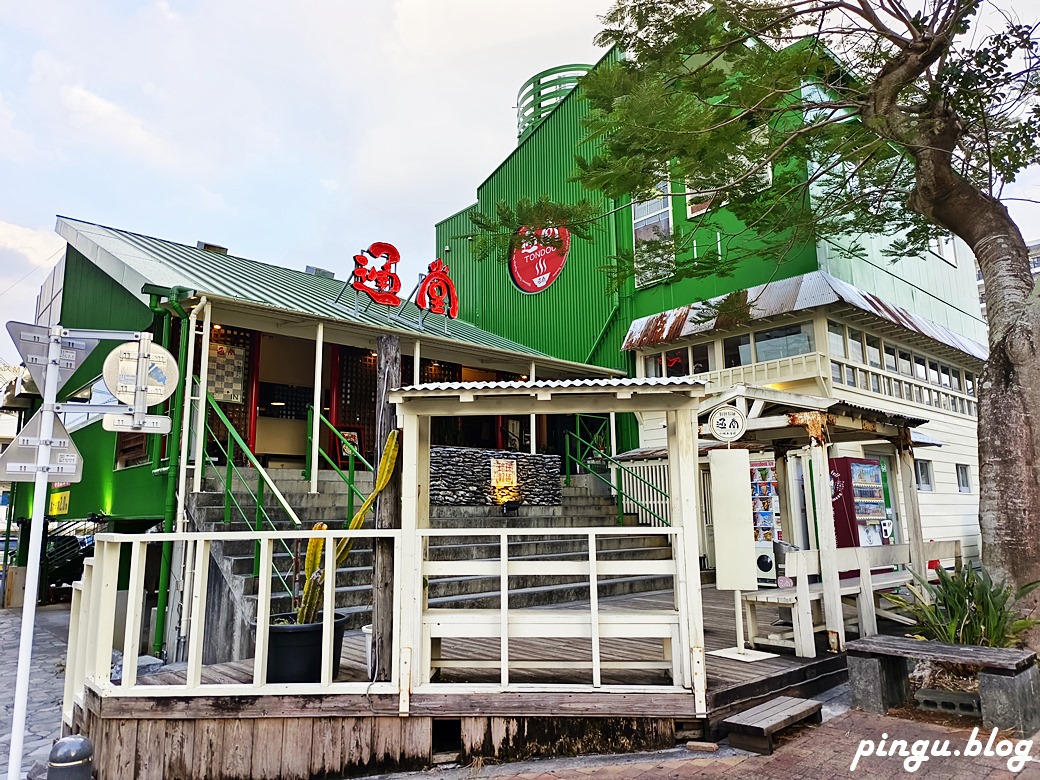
<point x="111" y="125"/>
<point x="15" y="144"/>
<point x="36" y="246"/>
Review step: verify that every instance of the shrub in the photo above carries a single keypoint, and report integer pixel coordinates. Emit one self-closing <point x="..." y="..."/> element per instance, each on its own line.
<point x="968" y="608"/>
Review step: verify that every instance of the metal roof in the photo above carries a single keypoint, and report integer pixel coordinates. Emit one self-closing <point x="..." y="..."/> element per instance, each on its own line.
<point x="135" y="260"/>
<point x="789" y="295"/>
<point x="641" y="383"/>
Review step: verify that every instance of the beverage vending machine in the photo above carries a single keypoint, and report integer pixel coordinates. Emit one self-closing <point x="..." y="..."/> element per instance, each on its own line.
<point x="858" y="498"/>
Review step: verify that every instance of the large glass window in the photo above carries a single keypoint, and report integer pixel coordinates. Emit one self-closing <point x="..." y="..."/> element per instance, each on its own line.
<point x="933" y="372"/>
<point x="905" y="366"/>
<point x="652" y="220"/>
<point x="653" y="365"/>
<point x="836" y="339"/>
<point x="919" y="370"/>
<point x="969" y="383"/>
<point x="703" y="357"/>
<point x="856" y="345"/>
<point x="890" y="358"/>
<point x="677" y="362"/>
<point x="736" y="351"/>
<point x="784" y="342"/>
<point x="874" y="351"/>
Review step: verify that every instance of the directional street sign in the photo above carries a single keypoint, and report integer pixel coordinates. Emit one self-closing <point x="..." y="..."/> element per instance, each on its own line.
<point x="120" y="373"/>
<point x="32" y="342"/>
<point x="151" y="423"/>
<point x="18" y="461"/>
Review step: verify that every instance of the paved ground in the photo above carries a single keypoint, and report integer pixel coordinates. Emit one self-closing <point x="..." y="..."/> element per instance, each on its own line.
<point x="809" y="753"/>
<point x="46" y="680"/>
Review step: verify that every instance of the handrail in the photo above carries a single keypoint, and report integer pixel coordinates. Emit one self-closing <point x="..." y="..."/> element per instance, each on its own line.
<point x="260" y="470"/>
<point x="619" y="486"/>
<point x="353" y="455"/>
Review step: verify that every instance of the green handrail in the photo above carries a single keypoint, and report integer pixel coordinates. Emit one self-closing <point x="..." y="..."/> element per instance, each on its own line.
<point x="621" y="469"/>
<point x="353" y="456"/>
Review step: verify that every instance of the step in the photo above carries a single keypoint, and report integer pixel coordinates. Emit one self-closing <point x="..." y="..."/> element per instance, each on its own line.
<point x="555" y="594"/>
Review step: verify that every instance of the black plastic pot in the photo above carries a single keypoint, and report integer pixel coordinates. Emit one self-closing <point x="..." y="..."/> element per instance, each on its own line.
<point x="294" y="651"/>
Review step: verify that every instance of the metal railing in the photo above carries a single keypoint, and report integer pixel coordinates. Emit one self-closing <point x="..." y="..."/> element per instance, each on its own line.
<point x="349" y="451"/>
<point x="261" y="519"/>
<point x="579" y="453"/>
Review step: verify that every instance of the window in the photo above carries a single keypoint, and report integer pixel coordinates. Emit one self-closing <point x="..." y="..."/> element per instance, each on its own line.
<point x="677" y="362"/>
<point x="784" y="342"/>
<point x="703" y="357"/>
<point x="653" y="366"/>
<point x="652" y="220"/>
<point x="969" y="383"/>
<point x="856" y="345"/>
<point x="944" y="376"/>
<point x="905" y="366"/>
<point x="963" y="478"/>
<point x="933" y="372"/>
<point x="923" y="472"/>
<point x="836" y="339"/>
<point x="874" y="351"/>
<point x="890" y="358"/>
<point x="919" y="370"/>
<point x="736" y="351"/>
<point x="955" y="379"/>
<point x="945" y="248"/>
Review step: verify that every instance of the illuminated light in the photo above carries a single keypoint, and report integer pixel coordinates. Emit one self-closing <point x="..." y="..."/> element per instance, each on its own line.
<point x="373" y="353"/>
<point x="217" y="327"/>
<point x="277" y="403"/>
<point x="523" y="376"/>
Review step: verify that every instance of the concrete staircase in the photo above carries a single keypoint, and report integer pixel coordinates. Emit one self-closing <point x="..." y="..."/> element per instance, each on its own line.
<point x="233" y="587"/>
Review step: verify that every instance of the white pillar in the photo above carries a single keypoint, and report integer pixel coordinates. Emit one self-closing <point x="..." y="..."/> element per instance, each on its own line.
<point x="912" y="515"/>
<point x="416" y="373"/>
<point x="534" y="417"/>
<point x="828" y="547"/>
<point x="319" y="352"/>
<point x="201" y="408"/>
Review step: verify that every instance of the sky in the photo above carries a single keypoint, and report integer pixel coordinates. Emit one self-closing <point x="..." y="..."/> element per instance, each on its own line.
<point x="292" y="133"/>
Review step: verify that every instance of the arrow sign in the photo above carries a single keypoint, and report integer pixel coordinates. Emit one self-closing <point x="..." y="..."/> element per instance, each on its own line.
<point x="18" y="461"/>
<point x="32" y="342"/>
<point x="150" y="423"/>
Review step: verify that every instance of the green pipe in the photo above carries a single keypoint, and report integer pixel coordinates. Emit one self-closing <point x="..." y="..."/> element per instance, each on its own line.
<point x="171" y="487"/>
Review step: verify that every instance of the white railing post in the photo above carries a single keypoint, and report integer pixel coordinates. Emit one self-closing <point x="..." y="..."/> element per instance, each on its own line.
<point x="106" y="580"/>
<point x="73" y="684"/>
<point x="197" y="634"/>
<point x="328" y="627"/>
<point x="315" y="431"/>
<point x="597" y="679"/>
<point x="134" y="609"/>
<point x="263" y="612"/>
<point x="503" y="614"/>
<point x="200" y="414"/>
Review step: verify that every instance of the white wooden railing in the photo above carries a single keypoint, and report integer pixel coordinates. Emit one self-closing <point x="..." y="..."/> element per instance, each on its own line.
<point x="666" y="628"/>
<point x="645" y="486"/>
<point x="807" y="366"/>
<point x="907" y="390"/>
<point x="92" y="625"/>
<point x="93" y="622"/>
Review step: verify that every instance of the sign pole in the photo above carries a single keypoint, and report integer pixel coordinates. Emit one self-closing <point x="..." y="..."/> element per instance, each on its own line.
<point x="32" y="575"/>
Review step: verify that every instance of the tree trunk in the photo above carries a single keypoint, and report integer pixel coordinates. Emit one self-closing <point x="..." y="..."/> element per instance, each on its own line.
<point x="388" y="509"/>
<point x="1009" y="390"/>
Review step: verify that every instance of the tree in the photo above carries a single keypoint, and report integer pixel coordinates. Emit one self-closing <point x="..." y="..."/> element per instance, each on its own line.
<point x="871" y="116"/>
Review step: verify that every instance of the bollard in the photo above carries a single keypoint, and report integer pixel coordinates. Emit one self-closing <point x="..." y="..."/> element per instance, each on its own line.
<point x="71" y="758"/>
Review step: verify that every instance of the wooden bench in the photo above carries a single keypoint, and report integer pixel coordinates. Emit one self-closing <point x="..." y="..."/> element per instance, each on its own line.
<point x="862" y="592"/>
<point x="754" y="729"/>
<point x="1009" y="681"/>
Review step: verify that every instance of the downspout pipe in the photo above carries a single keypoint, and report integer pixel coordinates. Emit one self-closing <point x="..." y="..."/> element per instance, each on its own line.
<point x="173" y="451"/>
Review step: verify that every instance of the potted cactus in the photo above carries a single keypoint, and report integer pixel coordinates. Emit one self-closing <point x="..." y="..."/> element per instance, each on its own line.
<point x="295" y="639"/>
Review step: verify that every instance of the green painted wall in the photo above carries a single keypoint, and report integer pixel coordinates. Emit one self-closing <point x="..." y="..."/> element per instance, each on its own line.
<point x="92" y="299"/>
<point x="575" y="318"/>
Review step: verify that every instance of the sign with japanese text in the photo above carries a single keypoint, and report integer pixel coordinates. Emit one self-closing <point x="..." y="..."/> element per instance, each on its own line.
<point x="58" y="503"/>
<point x="727" y="423"/>
<point x="503" y="472"/>
<point x="227" y="372"/>
<point x="538" y="261"/>
<point x="435" y="292"/>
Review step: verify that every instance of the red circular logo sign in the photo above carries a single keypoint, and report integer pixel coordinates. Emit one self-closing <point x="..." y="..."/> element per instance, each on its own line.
<point x="534" y="264"/>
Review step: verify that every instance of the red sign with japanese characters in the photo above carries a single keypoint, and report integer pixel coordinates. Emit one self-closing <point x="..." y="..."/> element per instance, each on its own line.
<point x="376" y="276"/>
<point x="535" y="264"/>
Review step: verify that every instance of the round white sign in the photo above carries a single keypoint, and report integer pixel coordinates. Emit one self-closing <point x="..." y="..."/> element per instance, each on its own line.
<point x="727" y="423"/>
<point x="120" y="373"/>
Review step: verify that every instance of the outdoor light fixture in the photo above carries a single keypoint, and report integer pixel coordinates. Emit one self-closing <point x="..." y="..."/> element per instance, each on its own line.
<point x="277" y="403"/>
<point x="216" y="327"/>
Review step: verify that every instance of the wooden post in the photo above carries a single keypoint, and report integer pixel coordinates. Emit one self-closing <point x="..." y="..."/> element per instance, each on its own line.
<point x="825" y="529"/>
<point x="912" y="509"/>
<point x="388" y="508"/>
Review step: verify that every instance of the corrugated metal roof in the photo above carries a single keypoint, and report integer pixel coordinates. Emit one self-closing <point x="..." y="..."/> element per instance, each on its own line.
<point x="143" y="260"/>
<point x="676" y="382"/>
<point x="788" y="295"/>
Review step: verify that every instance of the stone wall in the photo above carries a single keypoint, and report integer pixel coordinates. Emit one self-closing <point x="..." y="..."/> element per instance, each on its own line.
<point x="462" y="476"/>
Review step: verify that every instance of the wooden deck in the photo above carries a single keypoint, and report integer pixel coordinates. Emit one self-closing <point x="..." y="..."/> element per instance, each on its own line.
<point x="730" y="683"/>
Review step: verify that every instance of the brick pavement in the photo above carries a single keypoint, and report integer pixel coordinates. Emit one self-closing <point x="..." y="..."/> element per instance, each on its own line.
<point x="809" y="753"/>
<point x="46" y="680"/>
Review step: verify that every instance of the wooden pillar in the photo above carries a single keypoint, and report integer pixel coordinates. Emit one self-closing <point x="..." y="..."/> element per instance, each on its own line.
<point x="416" y="359"/>
<point x="533" y="423"/>
<point x="388" y="508"/>
<point x="413" y="653"/>
<point x="825" y="532"/>
<point x="912" y="530"/>
<point x="794" y="533"/>
<point x="254" y="387"/>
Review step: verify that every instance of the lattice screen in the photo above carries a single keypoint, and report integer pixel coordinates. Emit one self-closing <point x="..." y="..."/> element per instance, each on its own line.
<point x="237" y="413"/>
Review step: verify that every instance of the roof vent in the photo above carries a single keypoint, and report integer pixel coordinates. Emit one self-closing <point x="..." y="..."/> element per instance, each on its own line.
<point x="323" y="273"/>
<point x="214" y="248"/>
<point x="540" y="94"/>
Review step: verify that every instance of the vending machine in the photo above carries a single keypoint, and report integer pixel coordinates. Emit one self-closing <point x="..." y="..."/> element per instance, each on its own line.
<point x="858" y="497"/>
<point x="765" y="502"/>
